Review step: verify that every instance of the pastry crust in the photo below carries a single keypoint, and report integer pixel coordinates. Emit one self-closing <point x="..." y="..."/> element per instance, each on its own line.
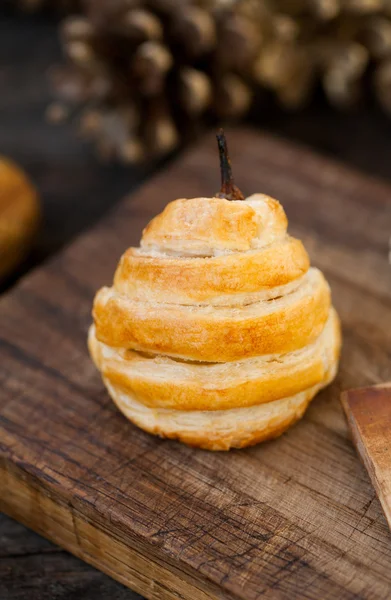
<point x="206" y="226"/>
<point x="216" y="334"/>
<point x="161" y="382"/>
<point x="219" y="430"/>
<point x="228" y="279"/>
<point x="216" y="331"/>
<point x="19" y="215"/>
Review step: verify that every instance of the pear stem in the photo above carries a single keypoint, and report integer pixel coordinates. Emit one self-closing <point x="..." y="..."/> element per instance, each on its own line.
<point x="229" y="190"/>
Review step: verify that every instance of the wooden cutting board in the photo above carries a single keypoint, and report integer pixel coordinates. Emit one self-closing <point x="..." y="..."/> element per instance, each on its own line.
<point x="368" y="411"/>
<point x="291" y="519"/>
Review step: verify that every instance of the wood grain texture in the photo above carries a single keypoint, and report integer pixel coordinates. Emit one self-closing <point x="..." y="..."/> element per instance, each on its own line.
<point x="33" y="568"/>
<point x="368" y="411"/>
<point x="294" y="518"/>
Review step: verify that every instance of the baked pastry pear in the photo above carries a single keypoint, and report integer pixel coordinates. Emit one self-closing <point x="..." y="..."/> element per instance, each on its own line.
<point x="19" y="215"/>
<point x="216" y="330"/>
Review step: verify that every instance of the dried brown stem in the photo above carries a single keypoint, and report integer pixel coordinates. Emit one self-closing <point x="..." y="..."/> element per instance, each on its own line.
<point x="228" y="187"/>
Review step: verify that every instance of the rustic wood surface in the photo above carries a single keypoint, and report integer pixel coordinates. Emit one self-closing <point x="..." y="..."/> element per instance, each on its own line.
<point x="295" y="518"/>
<point x="368" y="411"/>
<point x="32" y="568"/>
<point x="74" y="191"/>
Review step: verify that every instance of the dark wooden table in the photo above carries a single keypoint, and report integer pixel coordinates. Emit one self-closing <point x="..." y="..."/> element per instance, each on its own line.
<point x="75" y="191"/>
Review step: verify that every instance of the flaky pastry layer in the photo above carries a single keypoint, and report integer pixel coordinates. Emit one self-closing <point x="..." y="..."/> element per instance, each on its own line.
<point x="161" y="382"/>
<point x="215" y="333"/>
<point x="210" y="226"/>
<point x="228" y="280"/>
<point x="219" y="430"/>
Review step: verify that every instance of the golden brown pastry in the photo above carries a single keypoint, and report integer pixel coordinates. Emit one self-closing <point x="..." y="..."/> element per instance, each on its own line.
<point x="19" y="214"/>
<point x="216" y="330"/>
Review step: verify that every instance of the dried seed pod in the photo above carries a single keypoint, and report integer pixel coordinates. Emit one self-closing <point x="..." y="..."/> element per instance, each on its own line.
<point x="341" y="91"/>
<point x="232" y="97"/>
<point x="244" y="36"/>
<point x="150" y="65"/>
<point x="378" y="37"/>
<point x="326" y="9"/>
<point x="71" y="85"/>
<point x="162" y="137"/>
<point x="76" y="28"/>
<point x="195" y="90"/>
<point x="362" y="6"/>
<point x="107" y="15"/>
<point x="80" y="53"/>
<point x="296" y="92"/>
<point x="115" y="132"/>
<point x="285" y="29"/>
<point x="341" y="79"/>
<point x="159" y="130"/>
<point x="276" y="65"/>
<point x="194" y="30"/>
<point x="74" y="85"/>
<point x="143" y="25"/>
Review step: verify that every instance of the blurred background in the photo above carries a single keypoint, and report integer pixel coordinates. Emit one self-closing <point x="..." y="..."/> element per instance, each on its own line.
<point x="97" y="95"/>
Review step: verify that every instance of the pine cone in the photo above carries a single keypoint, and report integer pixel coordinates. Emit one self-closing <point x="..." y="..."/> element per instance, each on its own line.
<point x="142" y="75"/>
<point x="140" y="72"/>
